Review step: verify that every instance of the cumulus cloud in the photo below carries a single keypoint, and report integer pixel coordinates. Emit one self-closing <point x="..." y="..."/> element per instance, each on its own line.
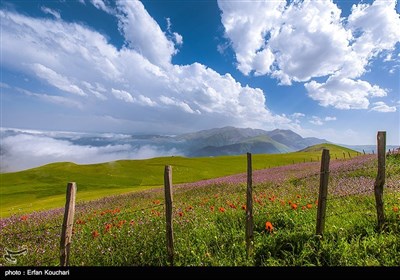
<point x="302" y="40"/>
<point x="23" y="151"/>
<point x="143" y="34"/>
<point x="382" y="107"/>
<point x="132" y="88"/>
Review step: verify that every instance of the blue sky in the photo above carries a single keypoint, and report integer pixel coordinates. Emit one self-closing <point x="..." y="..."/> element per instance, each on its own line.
<point x="328" y="69"/>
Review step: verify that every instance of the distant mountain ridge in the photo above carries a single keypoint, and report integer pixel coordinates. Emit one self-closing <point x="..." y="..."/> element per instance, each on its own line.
<point x="232" y="141"/>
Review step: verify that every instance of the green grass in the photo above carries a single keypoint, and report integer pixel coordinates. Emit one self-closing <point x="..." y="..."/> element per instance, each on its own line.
<point x="44" y="187"/>
<point x="130" y="229"/>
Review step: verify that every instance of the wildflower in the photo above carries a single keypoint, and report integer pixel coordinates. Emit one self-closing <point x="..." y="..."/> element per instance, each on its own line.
<point x="294" y="206"/>
<point x="272" y="198"/>
<point x="80" y="222"/>
<point x="180" y="213"/>
<point x="189" y="208"/>
<point x="221" y="209"/>
<point x="212" y="208"/>
<point x="298" y="196"/>
<point x="309" y="205"/>
<point x="132" y="223"/>
<point x="156" y="201"/>
<point x="283" y="202"/>
<point x="395" y="209"/>
<point x="24" y="218"/>
<point x="244" y="207"/>
<point x="121" y="223"/>
<point x="95" y="233"/>
<point x="269" y="227"/>
<point x="107" y="227"/>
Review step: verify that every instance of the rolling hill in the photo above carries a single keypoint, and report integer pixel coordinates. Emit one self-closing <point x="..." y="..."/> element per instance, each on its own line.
<point x="44" y="187"/>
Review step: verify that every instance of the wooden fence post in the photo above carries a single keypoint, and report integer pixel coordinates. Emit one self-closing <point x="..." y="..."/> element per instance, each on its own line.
<point x="349" y="154"/>
<point x="249" y="207"/>
<point x="380" y="177"/>
<point x="323" y="192"/>
<point x="66" y="231"/>
<point x="344" y="155"/>
<point x="168" y="212"/>
<point x="363" y="152"/>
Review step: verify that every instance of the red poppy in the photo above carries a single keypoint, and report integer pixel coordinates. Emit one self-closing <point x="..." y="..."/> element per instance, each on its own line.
<point x="212" y="208"/>
<point x="180" y="214"/>
<point x="24" y="218"/>
<point x="156" y="201"/>
<point x="269" y="227"/>
<point x="244" y="207"/>
<point x="221" y="209"/>
<point x="95" y="233"/>
<point x="80" y="222"/>
<point x="107" y="227"/>
<point x="309" y="205"/>
<point x="294" y="206"/>
<point x="395" y="209"/>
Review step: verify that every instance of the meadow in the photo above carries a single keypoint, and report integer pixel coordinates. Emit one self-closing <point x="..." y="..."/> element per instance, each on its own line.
<point x="44" y="187"/>
<point x="209" y="221"/>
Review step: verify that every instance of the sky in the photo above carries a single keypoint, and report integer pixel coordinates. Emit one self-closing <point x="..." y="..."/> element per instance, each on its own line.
<point x="328" y="69"/>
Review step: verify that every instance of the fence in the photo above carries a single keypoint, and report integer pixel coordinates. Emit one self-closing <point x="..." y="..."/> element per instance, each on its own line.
<point x="323" y="201"/>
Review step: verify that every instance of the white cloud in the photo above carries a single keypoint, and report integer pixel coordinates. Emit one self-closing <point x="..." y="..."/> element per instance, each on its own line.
<point x="320" y="121"/>
<point x="23" y="151"/>
<point x="246" y="25"/>
<point x="52" y="12"/>
<point x="55" y="99"/>
<point x="101" y="5"/>
<point x="143" y="33"/>
<point x="307" y="39"/>
<point x="122" y="95"/>
<point x="382" y="107"/>
<point x="56" y="79"/>
<point x="316" y="120"/>
<point x="136" y="86"/>
<point x="297" y="115"/>
<point x="173" y="35"/>
<point x="328" y="119"/>
<point x="343" y="93"/>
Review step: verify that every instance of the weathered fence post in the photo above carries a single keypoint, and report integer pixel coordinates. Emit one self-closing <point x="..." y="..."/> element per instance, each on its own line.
<point x="349" y="154"/>
<point x="363" y="152"/>
<point x="168" y="212"/>
<point x="380" y="177"/>
<point x="68" y="222"/>
<point x="344" y="155"/>
<point x="249" y="207"/>
<point x="323" y="191"/>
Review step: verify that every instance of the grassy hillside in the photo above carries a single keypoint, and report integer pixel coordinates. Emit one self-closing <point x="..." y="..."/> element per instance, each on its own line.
<point x="209" y="223"/>
<point x="339" y="150"/>
<point x="44" y="187"/>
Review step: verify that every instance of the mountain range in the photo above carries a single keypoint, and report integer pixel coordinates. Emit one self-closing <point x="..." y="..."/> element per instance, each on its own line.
<point x="232" y="141"/>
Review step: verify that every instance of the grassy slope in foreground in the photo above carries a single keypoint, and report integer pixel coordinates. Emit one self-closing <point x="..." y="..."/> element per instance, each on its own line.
<point x="44" y="187"/>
